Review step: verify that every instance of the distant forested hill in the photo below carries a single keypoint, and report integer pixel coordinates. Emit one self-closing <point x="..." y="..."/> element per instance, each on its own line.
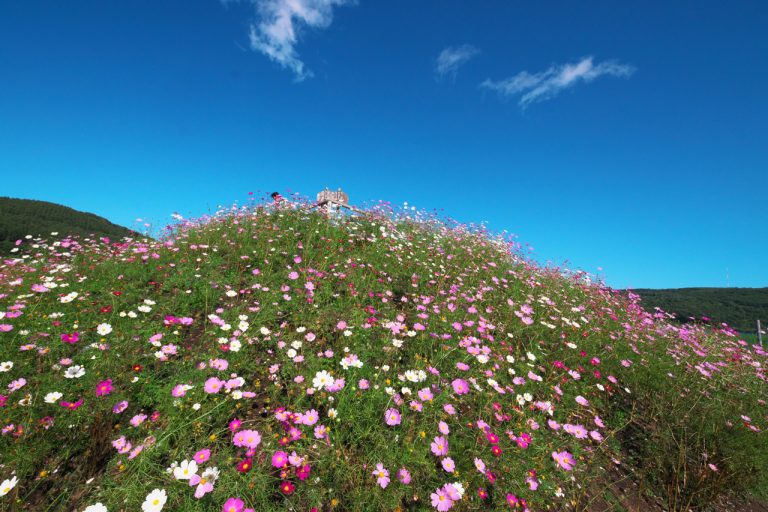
<point x="739" y="307"/>
<point x="21" y="217"/>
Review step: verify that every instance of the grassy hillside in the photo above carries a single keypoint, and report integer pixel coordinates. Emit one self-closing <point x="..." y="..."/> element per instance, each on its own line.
<point x="22" y="217"/>
<point x="276" y="360"/>
<point x="739" y="307"/>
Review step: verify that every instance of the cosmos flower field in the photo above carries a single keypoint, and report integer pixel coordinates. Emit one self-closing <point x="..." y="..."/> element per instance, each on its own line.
<point x="274" y="359"/>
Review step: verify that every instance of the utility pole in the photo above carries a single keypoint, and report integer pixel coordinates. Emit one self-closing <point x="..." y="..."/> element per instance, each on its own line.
<point x="759" y="334"/>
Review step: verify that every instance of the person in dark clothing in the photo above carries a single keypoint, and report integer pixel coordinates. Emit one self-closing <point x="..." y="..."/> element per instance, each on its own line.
<point x="277" y="198"/>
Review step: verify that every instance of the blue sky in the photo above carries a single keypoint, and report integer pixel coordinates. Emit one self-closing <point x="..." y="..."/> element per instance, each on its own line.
<point x="630" y="138"/>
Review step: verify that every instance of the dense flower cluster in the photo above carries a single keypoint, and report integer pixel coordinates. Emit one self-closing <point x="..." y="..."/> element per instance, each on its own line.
<point x="266" y="357"/>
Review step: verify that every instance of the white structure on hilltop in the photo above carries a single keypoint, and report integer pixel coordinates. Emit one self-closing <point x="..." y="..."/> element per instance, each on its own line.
<point x="331" y="202"/>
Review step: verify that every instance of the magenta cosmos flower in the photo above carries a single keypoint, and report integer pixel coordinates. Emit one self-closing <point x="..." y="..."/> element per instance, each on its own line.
<point x="70" y="338"/>
<point x="460" y="386"/>
<point x="104" y="387"/>
<point x="233" y="505"/>
<point x="280" y="459"/>
<point x="202" y="456"/>
<point x="392" y="417"/>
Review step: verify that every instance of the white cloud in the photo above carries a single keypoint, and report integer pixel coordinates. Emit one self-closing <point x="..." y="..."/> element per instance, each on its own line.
<point x="532" y="88"/>
<point x="450" y="59"/>
<point x="276" y="33"/>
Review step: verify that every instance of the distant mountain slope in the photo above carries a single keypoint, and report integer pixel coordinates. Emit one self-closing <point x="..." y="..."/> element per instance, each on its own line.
<point x="739" y="307"/>
<point x="21" y="217"/>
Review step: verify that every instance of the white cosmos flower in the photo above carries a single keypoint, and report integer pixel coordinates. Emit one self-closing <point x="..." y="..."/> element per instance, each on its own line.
<point x="68" y="297"/>
<point x="6" y="366"/>
<point x="98" y="507"/>
<point x="243" y="325"/>
<point x="74" y="372"/>
<point x="185" y="470"/>
<point x="322" y="380"/>
<point x="7" y="485"/>
<point x="155" y="501"/>
<point x="52" y="397"/>
<point x="231" y="293"/>
<point x="103" y="329"/>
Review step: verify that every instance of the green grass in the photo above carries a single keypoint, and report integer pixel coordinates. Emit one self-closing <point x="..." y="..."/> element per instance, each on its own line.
<point x="670" y="399"/>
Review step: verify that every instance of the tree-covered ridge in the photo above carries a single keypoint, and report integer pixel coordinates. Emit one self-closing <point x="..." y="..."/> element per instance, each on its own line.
<point x="738" y="307"/>
<point x="22" y="217"/>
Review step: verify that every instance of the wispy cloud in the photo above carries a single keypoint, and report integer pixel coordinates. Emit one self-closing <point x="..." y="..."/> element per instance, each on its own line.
<point x="533" y="88"/>
<point x="280" y="23"/>
<point x="453" y="57"/>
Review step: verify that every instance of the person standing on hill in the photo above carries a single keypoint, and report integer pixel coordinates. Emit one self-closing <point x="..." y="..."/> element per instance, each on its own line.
<point x="277" y="198"/>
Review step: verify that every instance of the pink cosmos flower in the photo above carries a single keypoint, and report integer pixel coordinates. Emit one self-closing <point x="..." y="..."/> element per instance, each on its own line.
<point x="248" y="439"/>
<point x="310" y="417"/>
<point x="564" y="460"/>
<point x="204" y="486"/>
<point x="119" y="443"/>
<point x="213" y="385"/>
<point x="425" y="394"/>
<point x="460" y="386"/>
<point x="582" y="401"/>
<point x="441" y="501"/>
<point x="235" y="424"/>
<point x="404" y="476"/>
<point x="449" y="409"/>
<point x="321" y="431"/>
<point x="363" y="384"/>
<point x="452" y="492"/>
<point x="138" y="419"/>
<point x="392" y="417"/>
<point x="382" y="475"/>
<point x="17" y="384"/>
<point x="120" y="407"/>
<point x="135" y="452"/>
<point x="178" y="391"/>
<point x="439" y="446"/>
<point x="448" y="464"/>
